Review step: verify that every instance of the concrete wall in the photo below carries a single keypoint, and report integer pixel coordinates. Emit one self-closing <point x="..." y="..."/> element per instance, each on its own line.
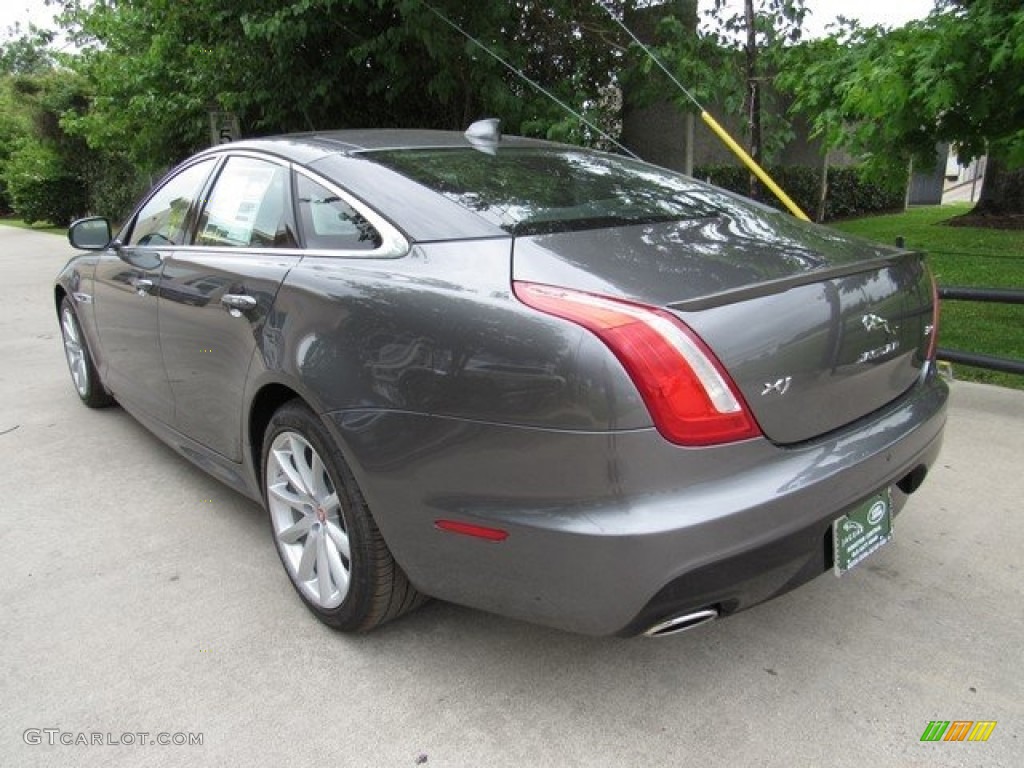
<point x="657" y="132"/>
<point x="926" y="184"/>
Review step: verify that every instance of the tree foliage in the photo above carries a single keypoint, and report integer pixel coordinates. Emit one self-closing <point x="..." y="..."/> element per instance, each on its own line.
<point x="764" y="29"/>
<point x="724" y="58"/>
<point x="40" y="186"/>
<point x="42" y="166"/>
<point x="48" y="174"/>
<point x="890" y="95"/>
<point x="23" y="54"/>
<point x="157" y="66"/>
<point x="26" y="52"/>
<point x="147" y="72"/>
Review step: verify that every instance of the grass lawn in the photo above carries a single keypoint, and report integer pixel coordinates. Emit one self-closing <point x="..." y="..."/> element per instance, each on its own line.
<point x="34" y="227"/>
<point x="961" y="256"/>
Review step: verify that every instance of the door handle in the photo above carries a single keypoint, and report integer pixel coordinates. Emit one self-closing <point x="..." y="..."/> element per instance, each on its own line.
<point x="142" y="286"/>
<point x="236" y="303"/>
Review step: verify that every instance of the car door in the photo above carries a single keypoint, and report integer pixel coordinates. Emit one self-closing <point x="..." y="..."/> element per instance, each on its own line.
<point x="216" y="294"/>
<point x="126" y="293"/>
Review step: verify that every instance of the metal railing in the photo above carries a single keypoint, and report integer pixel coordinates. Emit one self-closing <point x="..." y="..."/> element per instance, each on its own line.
<point x="977" y="359"/>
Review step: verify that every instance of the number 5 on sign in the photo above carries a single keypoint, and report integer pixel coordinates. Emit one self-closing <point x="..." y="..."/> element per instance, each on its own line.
<point x="224" y="128"/>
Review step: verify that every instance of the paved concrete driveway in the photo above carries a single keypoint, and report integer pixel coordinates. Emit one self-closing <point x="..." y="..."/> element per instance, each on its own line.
<point x="138" y="595"/>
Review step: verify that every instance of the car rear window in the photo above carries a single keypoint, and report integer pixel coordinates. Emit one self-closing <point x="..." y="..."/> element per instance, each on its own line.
<point x="536" y="191"/>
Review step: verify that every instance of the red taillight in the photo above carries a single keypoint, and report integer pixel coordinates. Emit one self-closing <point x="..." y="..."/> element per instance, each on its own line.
<point x="933" y="342"/>
<point x="691" y="399"/>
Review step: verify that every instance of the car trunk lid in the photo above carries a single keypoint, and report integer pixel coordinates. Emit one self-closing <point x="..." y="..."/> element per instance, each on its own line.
<point x="817" y="329"/>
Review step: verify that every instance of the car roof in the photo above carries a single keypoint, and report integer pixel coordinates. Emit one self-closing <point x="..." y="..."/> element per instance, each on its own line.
<point x="397" y="138"/>
<point x="308" y="147"/>
<point x="421" y="214"/>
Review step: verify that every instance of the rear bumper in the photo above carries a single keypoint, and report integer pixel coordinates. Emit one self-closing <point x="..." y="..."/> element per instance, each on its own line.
<point x="611" y="532"/>
<point x="743" y="580"/>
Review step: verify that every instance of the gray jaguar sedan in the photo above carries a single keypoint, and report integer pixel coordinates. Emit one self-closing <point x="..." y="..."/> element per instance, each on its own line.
<point x="560" y="385"/>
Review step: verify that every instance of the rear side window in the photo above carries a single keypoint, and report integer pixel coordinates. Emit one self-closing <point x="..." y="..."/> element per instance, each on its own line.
<point x="247" y="207"/>
<point x="162" y="220"/>
<point x="329" y="223"/>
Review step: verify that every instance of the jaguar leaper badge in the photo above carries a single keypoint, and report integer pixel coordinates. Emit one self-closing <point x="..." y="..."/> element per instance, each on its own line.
<point x="875" y="323"/>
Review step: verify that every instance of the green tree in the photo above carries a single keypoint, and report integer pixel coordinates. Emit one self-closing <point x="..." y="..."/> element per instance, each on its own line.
<point x="156" y="67"/>
<point x="26" y="52"/>
<point x="22" y="54"/>
<point x="976" y="75"/>
<point x="725" y="59"/>
<point x="765" y="28"/>
<point x="40" y="185"/>
<point x="891" y="95"/>
<point x="44" y="169"/>
<point x="46" y="172"/>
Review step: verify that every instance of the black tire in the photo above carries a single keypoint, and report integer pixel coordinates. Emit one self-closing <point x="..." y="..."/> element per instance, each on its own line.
<point x="84" y="376"/>
<point x="377" y="588"/>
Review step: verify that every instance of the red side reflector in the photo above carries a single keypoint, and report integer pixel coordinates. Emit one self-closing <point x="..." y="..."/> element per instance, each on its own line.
<point x="933" y="342"/>
<point x="468" y="529"/>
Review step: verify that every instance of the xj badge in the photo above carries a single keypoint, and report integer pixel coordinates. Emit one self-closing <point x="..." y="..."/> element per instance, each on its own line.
<point x="778" y="387"/>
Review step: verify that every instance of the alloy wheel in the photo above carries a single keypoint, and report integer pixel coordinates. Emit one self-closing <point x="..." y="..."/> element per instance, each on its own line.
<point x="75" y="352"/>
<point x="308" y="521"/>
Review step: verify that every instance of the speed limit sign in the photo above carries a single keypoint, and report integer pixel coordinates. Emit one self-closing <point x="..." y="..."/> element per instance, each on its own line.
<point x="224" y="128"/>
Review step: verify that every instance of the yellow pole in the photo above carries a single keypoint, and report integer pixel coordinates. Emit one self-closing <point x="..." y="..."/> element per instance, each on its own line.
<point x="756" y="169"/>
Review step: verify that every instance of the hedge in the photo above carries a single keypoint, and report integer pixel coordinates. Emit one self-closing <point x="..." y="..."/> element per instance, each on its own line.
<point x="849" y="195"/>
<point x="39" y="189"/>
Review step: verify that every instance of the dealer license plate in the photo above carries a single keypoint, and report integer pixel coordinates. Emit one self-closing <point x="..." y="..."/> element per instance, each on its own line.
<point x="861" y="531"/>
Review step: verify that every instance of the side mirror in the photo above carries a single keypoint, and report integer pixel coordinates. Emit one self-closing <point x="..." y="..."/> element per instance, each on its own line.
<point x="92" y="234"/>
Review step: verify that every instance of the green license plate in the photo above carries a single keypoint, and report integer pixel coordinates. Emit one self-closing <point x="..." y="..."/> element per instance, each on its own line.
<point x="861" y="531"/>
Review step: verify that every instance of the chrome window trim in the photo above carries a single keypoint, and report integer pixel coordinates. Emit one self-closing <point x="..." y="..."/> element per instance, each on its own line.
<point x="127" y="230"/>
<point x="244" y="251"/>
<point x="223" y="157"/>
<point x="393" y="243"/>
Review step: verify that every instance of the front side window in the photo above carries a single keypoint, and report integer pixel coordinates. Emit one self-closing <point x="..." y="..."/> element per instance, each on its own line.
<point x="162" y="220"/>
<point x="328" y="222"/>
<point x="247" y="207"/>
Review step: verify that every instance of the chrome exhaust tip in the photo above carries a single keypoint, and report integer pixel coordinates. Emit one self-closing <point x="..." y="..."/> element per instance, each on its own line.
<point x="681" y="623"/>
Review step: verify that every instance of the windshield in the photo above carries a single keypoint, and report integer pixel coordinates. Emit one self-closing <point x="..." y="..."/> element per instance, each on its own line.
<point x="528" y="191"/>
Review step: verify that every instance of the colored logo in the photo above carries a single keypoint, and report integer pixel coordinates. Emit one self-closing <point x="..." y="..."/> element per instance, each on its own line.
<point x="958" y="730"/>
<point x="877" y="512"/>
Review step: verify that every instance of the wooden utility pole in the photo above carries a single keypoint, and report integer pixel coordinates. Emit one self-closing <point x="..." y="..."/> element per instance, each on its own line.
<point x="753" y="91"/>
<point x="823" y="189"/>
